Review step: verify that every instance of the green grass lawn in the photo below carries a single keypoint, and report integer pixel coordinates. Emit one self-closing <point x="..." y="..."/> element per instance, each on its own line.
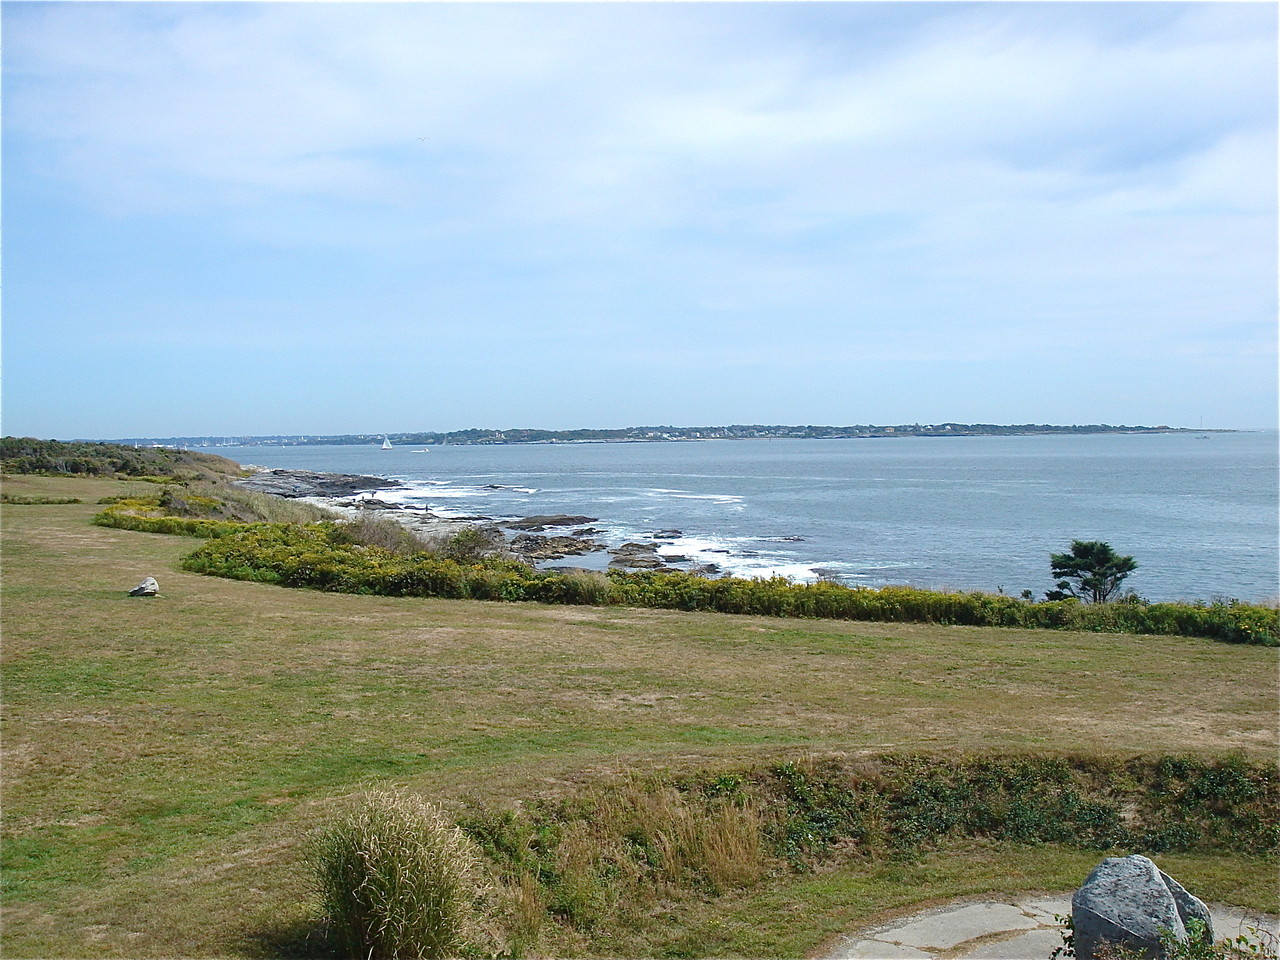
<point x="165" y="759"/>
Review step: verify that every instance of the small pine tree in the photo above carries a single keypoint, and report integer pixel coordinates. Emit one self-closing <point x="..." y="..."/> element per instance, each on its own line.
<point x="1091" y="572"/>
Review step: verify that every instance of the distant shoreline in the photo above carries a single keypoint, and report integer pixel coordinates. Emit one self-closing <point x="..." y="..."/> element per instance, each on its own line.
<point x="669" y="434"/>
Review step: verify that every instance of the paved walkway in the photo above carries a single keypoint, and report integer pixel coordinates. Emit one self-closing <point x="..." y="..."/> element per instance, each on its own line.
<point x="1015" y="929"/>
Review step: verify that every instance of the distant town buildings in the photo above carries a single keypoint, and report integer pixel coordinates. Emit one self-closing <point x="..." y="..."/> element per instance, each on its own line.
<point x="661" y="433"/>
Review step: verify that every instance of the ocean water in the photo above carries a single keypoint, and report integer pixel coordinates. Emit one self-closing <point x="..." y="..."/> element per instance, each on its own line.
<point x="1199" y="513"/>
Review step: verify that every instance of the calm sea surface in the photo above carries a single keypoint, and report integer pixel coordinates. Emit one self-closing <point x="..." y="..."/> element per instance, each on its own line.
<point x="1199" y="515"/>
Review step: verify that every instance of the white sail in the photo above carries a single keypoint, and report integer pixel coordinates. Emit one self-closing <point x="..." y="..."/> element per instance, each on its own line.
<point x="386" y="443"/>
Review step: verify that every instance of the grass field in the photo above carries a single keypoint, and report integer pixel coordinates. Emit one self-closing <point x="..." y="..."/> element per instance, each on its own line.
<point x="166" y="759"/>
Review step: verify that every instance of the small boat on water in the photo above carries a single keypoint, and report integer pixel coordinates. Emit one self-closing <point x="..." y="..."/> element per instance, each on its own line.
<point x="386" y="443"/>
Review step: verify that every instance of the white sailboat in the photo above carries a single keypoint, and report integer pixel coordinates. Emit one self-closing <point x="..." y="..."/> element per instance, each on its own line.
<point x="386" y="443"/>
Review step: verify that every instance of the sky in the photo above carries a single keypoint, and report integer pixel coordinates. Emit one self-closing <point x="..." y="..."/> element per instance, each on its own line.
<point x="294" y="218"/>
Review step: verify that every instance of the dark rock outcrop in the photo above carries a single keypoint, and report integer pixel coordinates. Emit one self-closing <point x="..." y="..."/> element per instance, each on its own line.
<point x="529" y="546"/>
<point x="637" y="556"/>
<point x="305" y="483"/>
<point x="540" y="523"/>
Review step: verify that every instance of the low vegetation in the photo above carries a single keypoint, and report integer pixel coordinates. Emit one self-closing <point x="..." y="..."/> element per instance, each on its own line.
<point x="36" y="501"/>
<point x="327" y="557"/>
<point x="607" y="856"/>
<point x="548" y="874"/>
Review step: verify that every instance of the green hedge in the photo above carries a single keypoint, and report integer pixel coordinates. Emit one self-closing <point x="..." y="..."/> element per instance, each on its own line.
<point x="321" y="557"/>
<point x="1230" y="622"/>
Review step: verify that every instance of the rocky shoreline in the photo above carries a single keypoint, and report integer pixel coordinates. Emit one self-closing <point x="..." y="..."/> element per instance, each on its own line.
<point x="534" y="539"/>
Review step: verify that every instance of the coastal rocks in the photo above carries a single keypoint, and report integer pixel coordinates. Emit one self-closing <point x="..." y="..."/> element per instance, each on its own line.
<point x="637" y="556"/>
<point x="373" y="503"/>
<point x="666" y="535"/>
<point x="539" y="523"/>
<point x="1130" y="901"/>
<point x="305" y="483"/>
<point x="147" y="588"/>
<point x="531" y="547"/>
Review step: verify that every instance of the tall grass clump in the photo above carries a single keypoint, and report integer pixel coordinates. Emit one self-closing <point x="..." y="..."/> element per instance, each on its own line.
<point x="252" y="505"/>
<point x="399" y="880"/>
<point x="614" y="853"/>
<point x="370" y="530"/>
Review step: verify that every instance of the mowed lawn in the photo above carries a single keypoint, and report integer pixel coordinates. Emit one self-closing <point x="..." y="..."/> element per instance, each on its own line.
<point x="164" y="760"/>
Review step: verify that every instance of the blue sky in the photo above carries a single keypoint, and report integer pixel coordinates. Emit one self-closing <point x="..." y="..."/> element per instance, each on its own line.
<point x="259" y="218"/>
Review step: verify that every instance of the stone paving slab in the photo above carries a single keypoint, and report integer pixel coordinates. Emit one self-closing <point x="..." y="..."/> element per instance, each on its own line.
<point x="879" y="950"/>
<point x="1021" y="929"/>
<point x="947" y="927"/>
<point x="1037" y="944"/>
<point x="1045" y="909"/>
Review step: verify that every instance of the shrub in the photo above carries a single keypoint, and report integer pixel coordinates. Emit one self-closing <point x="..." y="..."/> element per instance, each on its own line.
<point x="19" y="498"/>
<point x="398" y="880"/>
<point x="372" y="530"/>
<point x="86" y="458"/>
<point x="1230" y="621"/>
<point x="470" y="545"/>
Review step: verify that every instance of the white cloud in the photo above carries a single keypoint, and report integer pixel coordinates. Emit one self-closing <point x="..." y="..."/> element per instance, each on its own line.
<point x="581" y="111"/>
<point x="958" y="179"/>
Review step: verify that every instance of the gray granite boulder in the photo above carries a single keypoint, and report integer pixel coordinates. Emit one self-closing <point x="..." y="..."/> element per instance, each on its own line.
<point x="147" y="588"/>
<point x="1129" y="901"/>
<point x="1190" y="907"/>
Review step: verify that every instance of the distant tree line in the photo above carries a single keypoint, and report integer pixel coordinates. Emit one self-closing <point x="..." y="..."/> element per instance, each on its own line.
<point x="484" y="435"/>
<point x="85" y="458"/>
